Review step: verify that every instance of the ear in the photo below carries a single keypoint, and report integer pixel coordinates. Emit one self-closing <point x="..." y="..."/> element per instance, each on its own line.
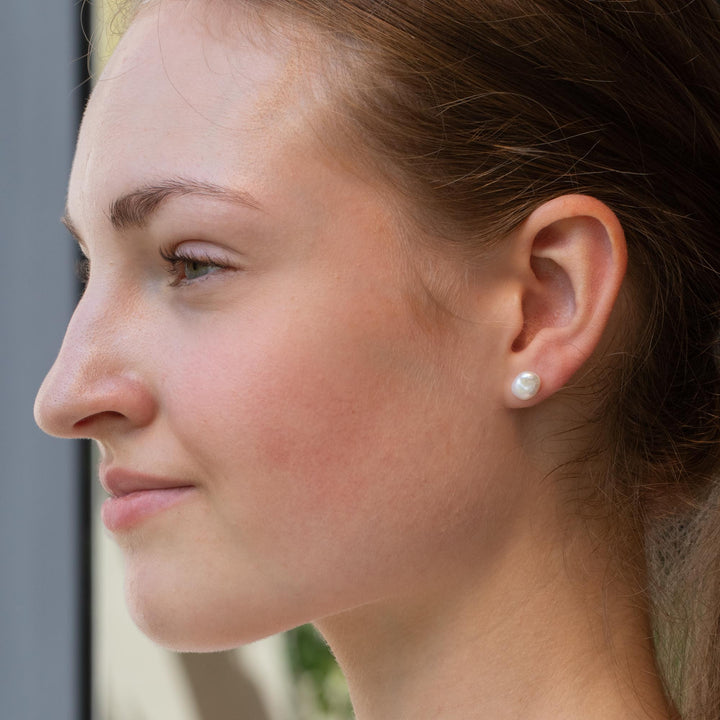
<point x="571" y="258"/>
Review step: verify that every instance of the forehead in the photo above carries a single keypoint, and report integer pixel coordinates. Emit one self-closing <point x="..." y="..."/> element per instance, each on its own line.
<point x="182" y="93"/>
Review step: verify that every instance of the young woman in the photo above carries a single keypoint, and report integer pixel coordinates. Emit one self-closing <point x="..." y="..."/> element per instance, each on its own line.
<point x="403" y="318"/>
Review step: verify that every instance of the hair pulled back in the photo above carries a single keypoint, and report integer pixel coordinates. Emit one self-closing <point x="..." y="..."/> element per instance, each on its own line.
<point x="482" y="110"/>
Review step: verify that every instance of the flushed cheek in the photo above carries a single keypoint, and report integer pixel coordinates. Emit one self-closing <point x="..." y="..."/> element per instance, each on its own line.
<point x="295" y="416"/>
<point x="304" y="425"/>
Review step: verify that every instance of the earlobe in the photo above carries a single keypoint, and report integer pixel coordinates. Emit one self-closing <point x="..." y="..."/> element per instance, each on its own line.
<point x="572" y="257"/>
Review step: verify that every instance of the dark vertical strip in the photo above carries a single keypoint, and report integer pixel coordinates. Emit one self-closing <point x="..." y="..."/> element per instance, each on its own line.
<point x="85" y="474"/>
<point x="85" y="669"/>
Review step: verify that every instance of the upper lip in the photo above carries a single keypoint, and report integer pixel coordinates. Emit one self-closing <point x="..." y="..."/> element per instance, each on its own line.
<point x="119" y="481"/>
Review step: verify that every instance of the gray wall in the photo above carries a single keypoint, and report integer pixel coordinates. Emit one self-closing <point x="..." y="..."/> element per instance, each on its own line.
<point x="39" y="521"/>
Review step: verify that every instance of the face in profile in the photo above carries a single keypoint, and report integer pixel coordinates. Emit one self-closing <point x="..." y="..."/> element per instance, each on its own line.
<point x="288" y="428"/>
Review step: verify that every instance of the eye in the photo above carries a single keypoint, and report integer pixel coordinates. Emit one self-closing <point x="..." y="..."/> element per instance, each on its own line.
<point x="193" y="269"/>
<point x="185" y="267"/>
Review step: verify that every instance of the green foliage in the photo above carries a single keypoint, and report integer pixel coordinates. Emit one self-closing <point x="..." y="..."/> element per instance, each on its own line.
<point x="322" y="691"/>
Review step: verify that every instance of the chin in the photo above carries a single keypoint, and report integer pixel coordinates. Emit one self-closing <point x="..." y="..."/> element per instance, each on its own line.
<point x="180" y="619"/>
<point x="192" y="632"/>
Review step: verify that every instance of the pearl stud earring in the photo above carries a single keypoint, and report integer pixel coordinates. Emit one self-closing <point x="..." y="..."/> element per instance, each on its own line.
<point x="525" y="385"/>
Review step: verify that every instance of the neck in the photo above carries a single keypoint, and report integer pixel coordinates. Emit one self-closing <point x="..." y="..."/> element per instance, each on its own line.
<point x="545" y="633"/>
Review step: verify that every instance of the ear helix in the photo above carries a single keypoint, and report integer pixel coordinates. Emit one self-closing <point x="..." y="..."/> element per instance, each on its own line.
<point x="525" y="385"/>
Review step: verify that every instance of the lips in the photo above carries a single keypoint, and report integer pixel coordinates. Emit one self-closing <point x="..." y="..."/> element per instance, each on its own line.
<point x="119" y="482"/>
<point x="136" y="497"/>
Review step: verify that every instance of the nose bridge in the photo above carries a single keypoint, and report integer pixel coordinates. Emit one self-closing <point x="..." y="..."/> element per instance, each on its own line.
<point x="89" y="343"/>
<point x="96" y="373"/>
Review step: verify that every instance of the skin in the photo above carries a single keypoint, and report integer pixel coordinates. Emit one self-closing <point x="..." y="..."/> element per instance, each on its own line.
<point x="354" y="459"/>
<point x="304" y="370"/>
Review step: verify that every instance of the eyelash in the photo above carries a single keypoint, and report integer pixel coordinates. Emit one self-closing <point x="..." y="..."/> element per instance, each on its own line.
<point x="176" y="259"/>
<point x="82" y="270"/>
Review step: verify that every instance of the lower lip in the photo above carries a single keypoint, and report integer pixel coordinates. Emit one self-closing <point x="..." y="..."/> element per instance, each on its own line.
<point x="123" y="513"/>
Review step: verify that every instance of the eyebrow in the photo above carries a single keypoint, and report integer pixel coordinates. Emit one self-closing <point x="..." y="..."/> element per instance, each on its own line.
<point x="135" y="208"/>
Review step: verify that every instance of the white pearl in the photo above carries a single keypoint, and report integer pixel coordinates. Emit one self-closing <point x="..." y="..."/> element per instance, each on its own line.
<point x="525" y="385"/>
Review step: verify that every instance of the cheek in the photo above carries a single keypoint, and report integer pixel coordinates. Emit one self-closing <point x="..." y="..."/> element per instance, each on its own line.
<point x="294" y="413"/>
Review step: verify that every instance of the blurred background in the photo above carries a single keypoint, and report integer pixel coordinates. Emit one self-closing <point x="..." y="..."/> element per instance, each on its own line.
<point x="68" y="650"/>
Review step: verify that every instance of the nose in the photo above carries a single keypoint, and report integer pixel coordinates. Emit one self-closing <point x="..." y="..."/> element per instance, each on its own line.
<point x="96" y="385"/>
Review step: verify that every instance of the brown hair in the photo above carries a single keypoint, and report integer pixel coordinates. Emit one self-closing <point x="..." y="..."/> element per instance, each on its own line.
<point x="482" y="110"/>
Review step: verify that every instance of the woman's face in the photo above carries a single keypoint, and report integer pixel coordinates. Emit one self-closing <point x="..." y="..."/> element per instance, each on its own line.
<point x="281" y="362"/>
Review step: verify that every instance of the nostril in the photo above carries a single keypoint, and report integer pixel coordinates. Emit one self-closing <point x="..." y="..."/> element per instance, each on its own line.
<point x="97" y="417"/>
